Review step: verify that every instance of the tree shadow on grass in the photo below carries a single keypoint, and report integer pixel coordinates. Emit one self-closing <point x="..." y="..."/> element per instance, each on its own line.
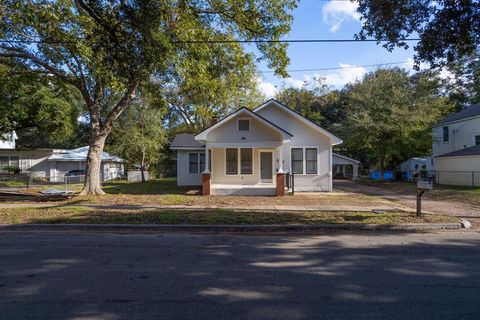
<point x="339" y="276"/>
<point x="153" y="187"/>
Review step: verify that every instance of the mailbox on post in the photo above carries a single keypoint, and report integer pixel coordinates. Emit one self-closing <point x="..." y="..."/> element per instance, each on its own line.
<point x="422" y="186"/>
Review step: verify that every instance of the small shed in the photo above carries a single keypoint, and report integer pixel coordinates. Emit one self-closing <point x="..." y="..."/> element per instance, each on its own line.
<point x="344" y="167"/>
<point x="413" y="164"/>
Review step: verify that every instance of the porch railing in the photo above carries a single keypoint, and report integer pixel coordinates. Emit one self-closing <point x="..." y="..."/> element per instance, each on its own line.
<point x="290" y="182"/>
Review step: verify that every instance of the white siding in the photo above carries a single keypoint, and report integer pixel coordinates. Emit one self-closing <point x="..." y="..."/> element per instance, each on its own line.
<point x="461" y="135"/>
<point x="463" y="171"/>
<point x="184" y="178"/>
<point x="304" y="137"/>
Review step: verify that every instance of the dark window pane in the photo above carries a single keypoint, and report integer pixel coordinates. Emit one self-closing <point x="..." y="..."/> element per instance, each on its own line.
<point x="202" y="162"/>
<point x="193" y="162"/>
<point x="297" y="160"/>
<point x="246" y="161"/>
<point x="311" y="157"/>
<point x="3" y="163"/>
<point x="232" y="161"/>
<point x="243" y="125"/>
<point x="15" y="162"/>
<point x="477" y="140"/>
<point x="445" y="134"/>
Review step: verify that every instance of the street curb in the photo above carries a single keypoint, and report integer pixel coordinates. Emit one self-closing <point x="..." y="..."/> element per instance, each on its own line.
<point x="230" y="228"/>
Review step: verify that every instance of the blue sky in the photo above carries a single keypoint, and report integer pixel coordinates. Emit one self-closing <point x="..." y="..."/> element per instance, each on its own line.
<point x="319" y="19"/>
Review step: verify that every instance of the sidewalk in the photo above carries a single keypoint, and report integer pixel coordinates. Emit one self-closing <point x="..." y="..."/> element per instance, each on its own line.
<point x="262" y="208"/>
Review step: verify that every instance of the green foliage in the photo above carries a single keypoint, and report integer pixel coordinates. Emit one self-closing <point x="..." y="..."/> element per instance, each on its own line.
<point x="139" y="136"/>
<point x="448" y="30"/>
<point x="389" y="116"/>
<point x="43" y="111"/>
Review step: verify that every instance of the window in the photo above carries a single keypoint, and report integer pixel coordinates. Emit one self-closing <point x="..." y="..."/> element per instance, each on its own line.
<point x="311" y="160"/>
<point x="232" y="161"/>
<point x="297" y="160"/>
<point x="445" y="134"/>
<point x="246" y="161"/>
<point x="202" y="162"/>
<point x="243" y="124"/>
<point x="477" y="140"/>
<point x="193" y="162"/>
<point x="4" y="163"/>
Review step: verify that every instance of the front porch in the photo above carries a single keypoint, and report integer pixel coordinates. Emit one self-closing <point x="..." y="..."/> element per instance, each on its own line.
<point x="243" y="170"/>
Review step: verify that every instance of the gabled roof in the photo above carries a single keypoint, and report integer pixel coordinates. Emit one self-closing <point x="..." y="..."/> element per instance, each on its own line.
<point x="80" y="154"/>
<point x="203" y="135"/>
<point x="344" y="157"/>
<point x="335" y="139"/>
<point x="185" y="141"/>
<point x="470" y="112"/>
<point x="471" y="151"/>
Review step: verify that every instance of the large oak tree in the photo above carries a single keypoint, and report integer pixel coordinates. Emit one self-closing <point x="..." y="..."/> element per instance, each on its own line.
<point x="108" y="49"/>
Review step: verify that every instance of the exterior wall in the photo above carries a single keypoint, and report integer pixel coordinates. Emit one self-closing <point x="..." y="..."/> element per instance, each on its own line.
<point x="34" y="161"/>
<point x="259" y="132"/>
<point x="184" y="178"/>
<point x="218" y="169"/>
<point x="448" y="172"/>
<point x="462" y="135"/>
<point x="7" y="141"/>
<point x="303" y="136"/>
<point x="336" y="160"/>
<point x="409" y="165"/>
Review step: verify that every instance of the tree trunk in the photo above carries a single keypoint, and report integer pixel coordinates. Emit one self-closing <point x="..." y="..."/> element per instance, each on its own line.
<point x="92" y="184"/>
<point x="142" y="167"/>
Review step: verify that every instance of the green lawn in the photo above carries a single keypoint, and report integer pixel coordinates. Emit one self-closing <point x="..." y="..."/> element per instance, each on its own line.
<point x="216" y="216"/>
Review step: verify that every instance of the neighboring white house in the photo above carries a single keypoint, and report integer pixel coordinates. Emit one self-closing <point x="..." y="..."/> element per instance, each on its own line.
<point x="7" y="141"/>
<point x="52" y="164"/>
<point x="344" y="167"/>
<point x="456" y="148"/>
<point x="249" y="153"/>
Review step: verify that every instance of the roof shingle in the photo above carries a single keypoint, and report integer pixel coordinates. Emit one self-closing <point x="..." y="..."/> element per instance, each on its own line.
<point x="471" y="151"/>
<point x="472" y="111"/>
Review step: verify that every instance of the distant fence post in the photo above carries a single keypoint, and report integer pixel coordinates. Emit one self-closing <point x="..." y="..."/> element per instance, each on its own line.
<point x="473" y="179"/>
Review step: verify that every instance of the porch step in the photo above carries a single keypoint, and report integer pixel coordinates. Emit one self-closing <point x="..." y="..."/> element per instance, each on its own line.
<point x="243" y="190"/>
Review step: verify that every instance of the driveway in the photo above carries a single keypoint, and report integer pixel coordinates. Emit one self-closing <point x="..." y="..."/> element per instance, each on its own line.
<point x="409" y="199"/>
<point x="174" y="276"/>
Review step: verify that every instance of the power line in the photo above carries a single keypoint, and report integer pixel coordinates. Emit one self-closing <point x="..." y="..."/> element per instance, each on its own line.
<point x="218" y="41"/>
<point x="340" y="68"/>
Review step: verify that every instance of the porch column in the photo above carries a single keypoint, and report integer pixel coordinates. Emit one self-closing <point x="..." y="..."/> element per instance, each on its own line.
<point x="280" y="184"/>
<point x="207" y="160"/>
<point x="280" y="159"/>
<point x="206" y="182"/>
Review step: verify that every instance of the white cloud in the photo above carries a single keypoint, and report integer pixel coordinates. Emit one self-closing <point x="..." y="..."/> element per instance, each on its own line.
<point x="267" y="88"/>
<point x="296" y="83"/>
<point x="347" y="74"/>
<point x="335" y="13"/>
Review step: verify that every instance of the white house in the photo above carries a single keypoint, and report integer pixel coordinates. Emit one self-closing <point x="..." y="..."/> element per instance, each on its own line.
<point x="456" y="148"/>
<point x="52" y="164"/>
<point x="7" y="141"/>
<point x="249" y="153"/>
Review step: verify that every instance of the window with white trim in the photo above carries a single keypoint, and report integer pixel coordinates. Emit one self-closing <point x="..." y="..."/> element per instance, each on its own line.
<point x="246" y="160"/>
<point x="446" y="134"/>
<point x="243" y="124"/>
<point x="9" y="161"/>
<point x="311" y="160"/>
<point x="297" y="160"/>
<point x="231" y="157"/>
<point x="196" y="162"/>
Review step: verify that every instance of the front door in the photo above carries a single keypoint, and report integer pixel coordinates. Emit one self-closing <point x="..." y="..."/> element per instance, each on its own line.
<point x="266" y="166"/>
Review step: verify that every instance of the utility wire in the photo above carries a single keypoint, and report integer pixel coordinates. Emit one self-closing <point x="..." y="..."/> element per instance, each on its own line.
<point x="220" y="41"/>
<point x="340" y="68"/>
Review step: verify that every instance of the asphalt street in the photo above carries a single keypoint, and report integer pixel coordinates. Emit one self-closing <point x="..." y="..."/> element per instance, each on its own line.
<point x="68" y="275"/>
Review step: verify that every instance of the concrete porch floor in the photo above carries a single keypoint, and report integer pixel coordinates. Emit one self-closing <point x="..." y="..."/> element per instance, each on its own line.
<point x="263" y="189"/>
